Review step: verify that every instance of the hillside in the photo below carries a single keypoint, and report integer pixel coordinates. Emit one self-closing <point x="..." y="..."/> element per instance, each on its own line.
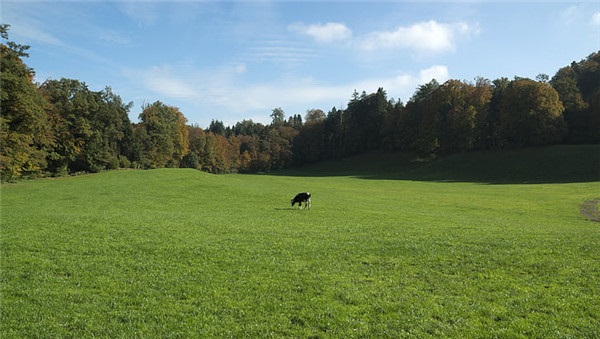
<point x="551" y="164"/>
<point x="181" y="253"/>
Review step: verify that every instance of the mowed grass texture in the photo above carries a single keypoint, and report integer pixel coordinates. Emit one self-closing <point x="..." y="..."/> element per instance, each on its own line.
<point x="179" y="253"/>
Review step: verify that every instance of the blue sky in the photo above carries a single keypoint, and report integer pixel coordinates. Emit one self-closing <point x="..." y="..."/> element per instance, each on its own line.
<point x="235" y="60"/>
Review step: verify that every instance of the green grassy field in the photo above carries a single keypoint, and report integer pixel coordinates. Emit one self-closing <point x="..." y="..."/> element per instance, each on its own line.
<point x="391" y="248"/>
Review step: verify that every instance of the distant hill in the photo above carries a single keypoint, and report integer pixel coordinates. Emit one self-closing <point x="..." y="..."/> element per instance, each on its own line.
<point x="550" y="164"/>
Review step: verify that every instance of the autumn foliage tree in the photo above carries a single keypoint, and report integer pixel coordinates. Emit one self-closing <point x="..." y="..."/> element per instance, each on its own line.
<point x="578" y="90"/>
<point x="62" y="127"/>
<point x="531" y="114"/>
<point x="25" y="136"/>
<point x="163" y="134"/>
<point x="452" y="115"/>
<point x="91" y="130"/>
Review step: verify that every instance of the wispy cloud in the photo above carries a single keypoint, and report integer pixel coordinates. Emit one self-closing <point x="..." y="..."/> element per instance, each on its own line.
<point x="570" y="15"/>
<point x="36" y="25"/>
<point x="113" y="37"/>
<point x="164" y="80"/>
<point x="279" y="51"/>
<point x="161" y="80"/>
<point x="580" y="13"/>
<point x="143" y="13"/>
<point x="29" y="28"/>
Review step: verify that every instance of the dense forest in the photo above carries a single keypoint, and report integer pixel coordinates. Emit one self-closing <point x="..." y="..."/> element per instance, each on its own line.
<point x="62" y="127"/>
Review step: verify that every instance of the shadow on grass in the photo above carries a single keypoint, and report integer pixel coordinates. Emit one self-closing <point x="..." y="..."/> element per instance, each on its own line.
<point x="553" y="164"/>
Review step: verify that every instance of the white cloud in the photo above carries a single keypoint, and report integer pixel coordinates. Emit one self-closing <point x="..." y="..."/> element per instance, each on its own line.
<point x="239" y="68"/>
<point x="309" y="93"/>
<point x="323" y="33"/>
<point x="402" y="85"/>
<point x="204" y="94"/>
<point x="256" y="101"/>
<point x="595" y="19"/>
<point x="437" y="72"/>
<point x="424" y="37"/>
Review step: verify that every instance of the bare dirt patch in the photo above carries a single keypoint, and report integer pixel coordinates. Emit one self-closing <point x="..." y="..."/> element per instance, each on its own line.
<point x="589" y="209"/>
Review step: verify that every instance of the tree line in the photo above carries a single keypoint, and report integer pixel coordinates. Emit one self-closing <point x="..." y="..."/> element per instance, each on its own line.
<point x="62" y="127"/>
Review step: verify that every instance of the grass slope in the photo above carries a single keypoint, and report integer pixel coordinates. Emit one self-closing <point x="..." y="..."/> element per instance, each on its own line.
<point x="180" y="253"/>
<point x="552" y="164"/>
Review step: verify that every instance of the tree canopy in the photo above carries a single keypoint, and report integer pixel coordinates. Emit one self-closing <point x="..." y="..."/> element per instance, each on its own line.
<point x="61" y="126"/>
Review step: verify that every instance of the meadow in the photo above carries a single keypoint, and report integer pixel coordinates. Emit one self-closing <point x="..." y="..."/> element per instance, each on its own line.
<point x="485" y="245"/>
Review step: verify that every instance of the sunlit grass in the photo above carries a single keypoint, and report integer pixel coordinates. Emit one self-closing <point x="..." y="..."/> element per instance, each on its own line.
<point x="180" y="253"/>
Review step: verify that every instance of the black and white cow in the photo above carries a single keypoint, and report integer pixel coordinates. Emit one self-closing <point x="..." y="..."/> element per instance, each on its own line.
<point x="300" y="198"/>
